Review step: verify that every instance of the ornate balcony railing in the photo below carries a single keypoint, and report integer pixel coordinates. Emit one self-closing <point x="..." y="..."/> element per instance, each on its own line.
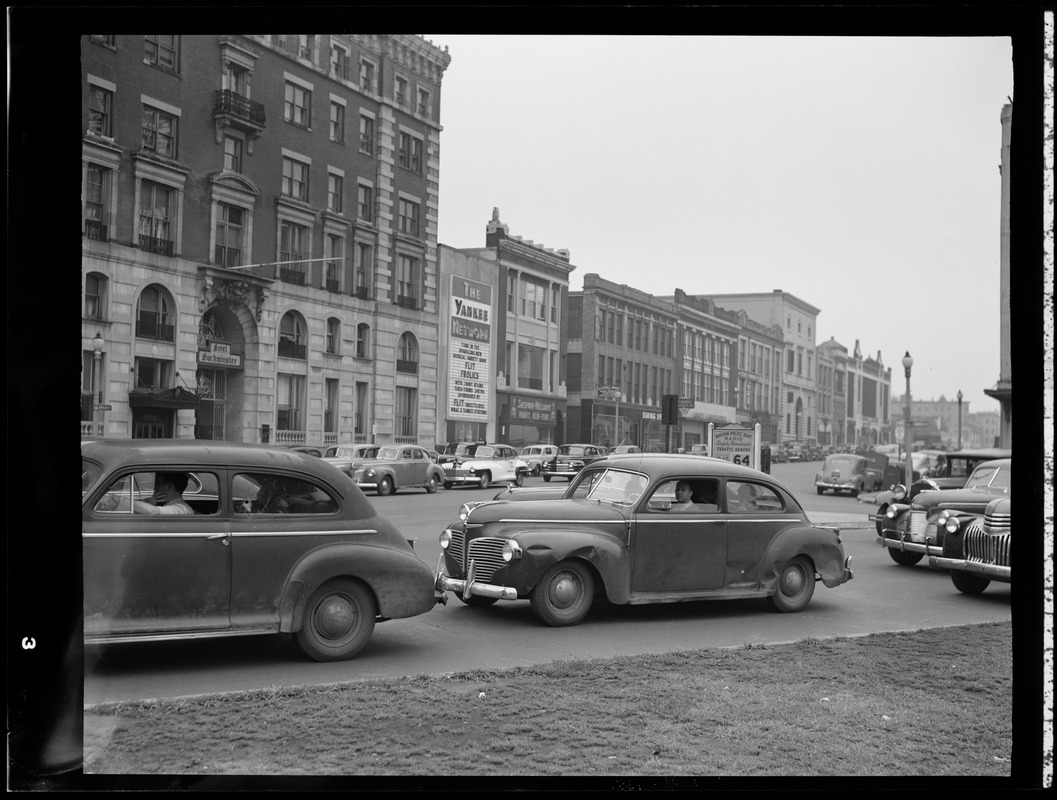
<point x="152" y="244"/>
<point x="408" y="367"/>
<point x="238" y="108"/>
<point x="295" y="276"/>
<point x="96" y="231"/>
<point x="289" y="349"/>
<point x="290" y="437"/>
<point x="150" y="326"/>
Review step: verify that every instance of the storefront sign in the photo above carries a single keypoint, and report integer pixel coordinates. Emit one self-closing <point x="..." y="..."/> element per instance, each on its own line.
<point x="220" y="355"/>
<point x="470" y="381"/>
<point x="532" y="409"/>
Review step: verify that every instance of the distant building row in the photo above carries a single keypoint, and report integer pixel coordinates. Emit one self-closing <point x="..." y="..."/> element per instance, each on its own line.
<point x="260" y="263"/>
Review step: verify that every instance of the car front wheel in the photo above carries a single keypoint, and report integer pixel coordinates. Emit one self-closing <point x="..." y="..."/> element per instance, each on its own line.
<point x="563" y="595"/>
<point x="966" y="583"/>
<point x="385" y="487"/>
<point x="519" y="479"/>
<point x="904" y="558"/>
<point x="339" y="620"/>
<point x="796" y="585"/>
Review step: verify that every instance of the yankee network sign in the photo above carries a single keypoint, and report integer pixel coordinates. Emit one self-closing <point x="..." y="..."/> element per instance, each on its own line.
<point x="470" y="358"/>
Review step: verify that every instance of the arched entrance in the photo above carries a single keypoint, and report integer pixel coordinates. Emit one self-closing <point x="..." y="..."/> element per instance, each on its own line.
<point x="221" y="362"/>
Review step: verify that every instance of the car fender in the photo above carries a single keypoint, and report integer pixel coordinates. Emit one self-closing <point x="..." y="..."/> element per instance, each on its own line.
<point x="542" y="549"/>
<point x="821" y="545"/>
<point x="401" y="584"/>
<point x="435" y="471"/>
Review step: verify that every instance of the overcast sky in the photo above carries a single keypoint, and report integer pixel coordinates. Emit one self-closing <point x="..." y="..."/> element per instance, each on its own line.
<point x="859" y="174"/>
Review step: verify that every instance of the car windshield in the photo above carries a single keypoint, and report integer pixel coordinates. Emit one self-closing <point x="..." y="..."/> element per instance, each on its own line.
<point x="840" y="461"/>
<point x="610" y="486"/>
<point x="483" y="452"/>
<point x="388" y="452"/>
<point x="573" y="450"/>
<point x="89" y="474"/>
<point x="990" y="477"/>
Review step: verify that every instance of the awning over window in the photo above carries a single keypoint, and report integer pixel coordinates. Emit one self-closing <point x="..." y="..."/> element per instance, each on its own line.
<point x="177" y="397"/>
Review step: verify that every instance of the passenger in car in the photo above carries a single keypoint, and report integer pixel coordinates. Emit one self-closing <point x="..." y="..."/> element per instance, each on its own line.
<point x="683" y="497"/>
<point x="168" y="496"/>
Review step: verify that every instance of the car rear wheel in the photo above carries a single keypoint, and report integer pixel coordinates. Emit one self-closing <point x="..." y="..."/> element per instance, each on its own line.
<point x="819" y="489"/>
<point x="448" y="484"/>
<point x="564" y="594"/>
<point x="854" y="492"/>
<point x="967" y="583"/>
<point x="519" y="479"/>
<point x="546" y="478"/>
<point x="536" y="471"/>
<point x="385" y="486"/>
<point x="796" y="585"/>
<point x="432" y="484"/>
<point x="339" y="620"/>
<point x="904" y="558"/>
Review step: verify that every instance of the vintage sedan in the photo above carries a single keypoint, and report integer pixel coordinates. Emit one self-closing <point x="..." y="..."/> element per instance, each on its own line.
<point x="264" y="540"/>
<point x="957" y="468"/>
<point x="620" y="532"/>
<point x="976" y="550"/>
<point x="398" y="467"/>
<point x="910" y="532"/>
<point x="483" y="464"/>
<point x="536" y="454"/>
<point x="571" y="458"/>
<point x="344" y="456"/>
<point x="843" y="472"/>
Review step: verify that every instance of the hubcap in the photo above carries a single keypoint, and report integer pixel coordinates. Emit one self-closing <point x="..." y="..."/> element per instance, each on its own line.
<point x="792" y="581"/>
<point x="565" y="590"/>
<point x="335" y="617"/>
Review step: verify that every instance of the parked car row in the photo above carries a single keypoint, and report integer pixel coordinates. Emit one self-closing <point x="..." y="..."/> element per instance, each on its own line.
<point x="185" y="541"/>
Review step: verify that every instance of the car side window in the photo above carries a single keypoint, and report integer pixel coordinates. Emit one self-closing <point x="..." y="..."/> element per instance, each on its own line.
<point x="697" y="495"/>
<point x="266" y="493"/>
<point x="747" y="498"/>
<point x="136" y="492"/>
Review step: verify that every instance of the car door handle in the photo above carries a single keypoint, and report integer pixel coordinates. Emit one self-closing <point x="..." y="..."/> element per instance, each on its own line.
<point x="225" y="536"/>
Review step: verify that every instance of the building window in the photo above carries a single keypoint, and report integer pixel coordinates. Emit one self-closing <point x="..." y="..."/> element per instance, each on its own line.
<point x="162" y="51"/>
<point x="156" y="216"/>
<point x="530" y="361"/>
<point x="293" y="248"/>
<point x="228" y="249"/>
<point x="100" y="110"/>
<point x="295" y="179"/>
<point x="304" y="47"/>
<point x="363" y="340"/>
<point x="297" y="105"/>
<point x="534" y="301"/>
<point x="366" y="75"/>
<point x="407" y="281"/>
<point x="405" y="421"/>
<point x="366" y="134"/>
<point x="424" y="104"/>
<point x="105" y="39"/>
<point x="400" y="90"/>
<point x="408" y="217"/>
<point x="409" y="153"/>
<point x="154" y="315"/>
<point x="96" y="202"/>
<point x="159" y="132"/>
<point x="292" y="336"/>
<point x="330" y="406"/>
<point x="363" y="267"/>
<point x="152" y="374"/>
<point x="360" y="411"/>
<point x="94" y="295"/>
<point x="407" y="355"/>
<point x="337" y="123"/>
<point x="334" y="193"/>
<point x="290" y="403"/>
<point x="335" y="246"/>
<point x="232" y="154"/>
<point x="339" y="66"/>
<point x="364" y="202"/>
<point x="333" y="337"/>
<point x="790" y="363"/>
<point x="235" y="79"/>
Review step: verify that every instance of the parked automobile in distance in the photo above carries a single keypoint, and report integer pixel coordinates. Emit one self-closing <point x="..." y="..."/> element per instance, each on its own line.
<point x="571" y="458"/>
<point x="699" y="449"/>
<point x="958" y="466"/>
<point x="484" y="464"/>
<point x="453" y="450"/>
<point x="625" y="448"/>
<point x="618" y="533"/>
<point x="535" y="454"/>
<point x="912" y="531"/>
<point x="778" y="455"/>
<point x="345" y="456"/>
<point x="397" y="467"/>
<point x="306" y="448"/>
<point x="876" y="463"/>
<point x="843" y="472"/>
<point x="274" y="541"/>
<point x="976" y="550"/>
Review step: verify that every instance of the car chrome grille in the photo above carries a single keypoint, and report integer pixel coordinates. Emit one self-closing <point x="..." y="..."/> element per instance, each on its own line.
<point x="987" y="548"/>
<point x="996" y="523"/>
<point x="486" y="553"/>
<point x="917" y="526"/>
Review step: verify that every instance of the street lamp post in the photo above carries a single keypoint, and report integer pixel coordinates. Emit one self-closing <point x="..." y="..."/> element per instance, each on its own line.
<point x="908" y="362"/>
<point x="959" y="419"/>
<point x="97" y="377"/>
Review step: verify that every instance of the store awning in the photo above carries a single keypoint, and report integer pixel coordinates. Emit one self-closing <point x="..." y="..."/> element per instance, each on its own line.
<point x="177" y="397"/>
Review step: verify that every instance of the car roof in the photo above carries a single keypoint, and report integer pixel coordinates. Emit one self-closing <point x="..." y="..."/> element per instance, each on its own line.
<point x="681" y="462"/>
<point x="995" y="462"/>
<point x="115" y="453"/>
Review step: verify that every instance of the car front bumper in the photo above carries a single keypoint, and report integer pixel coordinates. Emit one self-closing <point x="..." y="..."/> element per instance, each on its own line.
<point x="901" y="540"/>
<point x="834" y="485"/>
<point x="469" y="587"/>
<point x="461" y="476"/>
<point x="993" y="571"/>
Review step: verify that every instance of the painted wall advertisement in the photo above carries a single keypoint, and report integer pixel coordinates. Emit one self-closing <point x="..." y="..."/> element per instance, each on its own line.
<point x="470" y="359"/>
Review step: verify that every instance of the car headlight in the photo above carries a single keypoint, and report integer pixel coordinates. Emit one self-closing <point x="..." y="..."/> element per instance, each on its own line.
<point x="951" y="524"/>
<point x="369" y="473"/>
<point x="899" y="492"/>
<point x="891" y="512"/>
<point x="511" y="551"/>
<point x="445" y="539"/>
<point x="464" y="511"/>
<point x="818" y="477"/>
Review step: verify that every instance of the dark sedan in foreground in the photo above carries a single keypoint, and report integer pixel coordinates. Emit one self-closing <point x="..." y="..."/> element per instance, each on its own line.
<point x="977" y="550"/>
<point x="184" y="539"/>
<point x="642" y="528"/>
